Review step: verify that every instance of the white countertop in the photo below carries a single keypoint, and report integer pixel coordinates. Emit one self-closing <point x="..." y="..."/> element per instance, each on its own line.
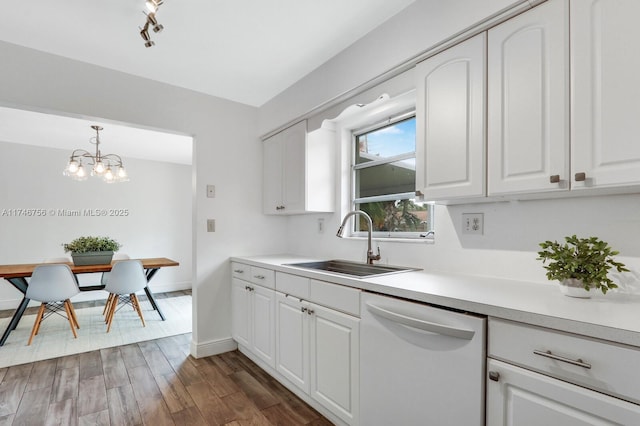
<point x="614" y="316"/>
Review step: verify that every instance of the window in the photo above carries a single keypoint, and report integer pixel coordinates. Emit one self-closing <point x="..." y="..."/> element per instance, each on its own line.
<point x="384" y="180"/>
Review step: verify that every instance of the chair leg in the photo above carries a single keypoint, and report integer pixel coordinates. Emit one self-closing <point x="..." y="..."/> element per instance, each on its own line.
<point x="73" y="314"/>
<point x="112" y="311"/>
<point x="67" y="308"/>
<point x="36" y="324"/>
<point x="107" y="304"/>
<point x="136" y="306"/>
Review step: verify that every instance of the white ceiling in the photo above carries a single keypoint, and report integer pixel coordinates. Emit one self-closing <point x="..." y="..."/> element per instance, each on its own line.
<point x="54" y="131"/>
<point x="242" y="50"/>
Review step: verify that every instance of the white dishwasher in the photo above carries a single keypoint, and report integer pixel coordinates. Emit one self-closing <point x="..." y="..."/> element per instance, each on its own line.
<point x="420" y="365"/>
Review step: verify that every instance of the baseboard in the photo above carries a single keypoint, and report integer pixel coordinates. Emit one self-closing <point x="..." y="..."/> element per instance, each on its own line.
<point x="213" y="347"/>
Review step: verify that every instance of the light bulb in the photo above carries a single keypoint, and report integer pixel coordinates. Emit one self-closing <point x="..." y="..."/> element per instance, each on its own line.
<point x="72" y="167"/>
<point x="98" y="168"/>
<point x="122" y="173"/>
<point x="108" y="175"/>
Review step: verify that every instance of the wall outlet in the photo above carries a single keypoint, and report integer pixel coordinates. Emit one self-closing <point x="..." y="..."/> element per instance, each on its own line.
<point x="211" y="191"/>
<point x="211" y="225"/>
<point x="473" y="223"/>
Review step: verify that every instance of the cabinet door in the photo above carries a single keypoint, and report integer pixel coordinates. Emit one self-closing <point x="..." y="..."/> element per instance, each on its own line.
<point x="523" y="398"/>
<point x="263" y="324"/>
<point x="292" y="340"/>
<point x="272" y="163"/>
<point x="240" y="311"/>
<point x="335" y="361"/>
<point x="605" y="92"/>
<point x="294" y="168"/>
<point x="528" y="109"/>
<point x="450" y="117"/>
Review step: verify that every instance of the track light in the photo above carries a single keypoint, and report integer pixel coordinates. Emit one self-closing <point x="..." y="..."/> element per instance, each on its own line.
<point x="152" y="7"/>
<point x="151" y="18"/>
<point x="144" y="33"/>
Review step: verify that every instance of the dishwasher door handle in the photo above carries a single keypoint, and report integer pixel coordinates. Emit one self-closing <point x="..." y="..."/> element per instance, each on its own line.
<point x="432" y="327"/>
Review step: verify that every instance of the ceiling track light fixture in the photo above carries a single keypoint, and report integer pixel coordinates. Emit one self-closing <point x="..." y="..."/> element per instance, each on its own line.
<point x="107" y="166"/>
<point x="152" y="7"/>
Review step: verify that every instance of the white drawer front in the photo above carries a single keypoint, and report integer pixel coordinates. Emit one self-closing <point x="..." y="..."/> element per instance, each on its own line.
<point x="263" y="277"/>
<point x="341" y="298"/>
<point x="606" y="367"/>
<point x="293" y="285"/>
<point x="240" y="270"/>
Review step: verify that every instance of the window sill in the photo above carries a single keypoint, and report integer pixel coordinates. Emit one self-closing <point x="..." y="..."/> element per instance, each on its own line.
<point x="428" y="240"/>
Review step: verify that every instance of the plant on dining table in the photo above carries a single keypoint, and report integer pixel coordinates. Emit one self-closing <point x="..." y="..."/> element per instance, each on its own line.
<point x="91" y="244"/>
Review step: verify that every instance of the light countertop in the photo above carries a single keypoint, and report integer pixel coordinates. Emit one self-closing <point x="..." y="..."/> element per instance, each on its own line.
<point x="614" y="316"/>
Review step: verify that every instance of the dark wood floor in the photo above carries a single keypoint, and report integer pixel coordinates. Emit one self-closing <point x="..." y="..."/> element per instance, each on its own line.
<point x="152" y="383"/>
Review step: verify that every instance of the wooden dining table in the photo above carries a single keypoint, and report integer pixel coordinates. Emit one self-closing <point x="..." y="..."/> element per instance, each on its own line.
<point x="17" y="275"/>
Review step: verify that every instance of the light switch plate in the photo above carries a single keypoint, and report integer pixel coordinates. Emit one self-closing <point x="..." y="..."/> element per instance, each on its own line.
<point x="473" y="223"/>
<point x="211" y="225"/>
<point x="211" y="191"/>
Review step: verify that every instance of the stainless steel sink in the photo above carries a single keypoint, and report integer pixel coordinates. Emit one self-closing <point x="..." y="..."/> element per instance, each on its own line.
<point x="352" y="269"/>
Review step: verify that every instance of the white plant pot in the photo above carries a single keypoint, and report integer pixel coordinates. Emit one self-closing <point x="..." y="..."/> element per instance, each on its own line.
<point x="574" y="288"/>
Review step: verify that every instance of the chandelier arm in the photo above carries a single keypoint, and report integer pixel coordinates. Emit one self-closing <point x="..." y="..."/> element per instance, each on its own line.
<point x="111" y="157"/>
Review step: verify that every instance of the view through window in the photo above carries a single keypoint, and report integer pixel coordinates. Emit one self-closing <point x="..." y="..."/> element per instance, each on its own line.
<point x="384" y="180"/>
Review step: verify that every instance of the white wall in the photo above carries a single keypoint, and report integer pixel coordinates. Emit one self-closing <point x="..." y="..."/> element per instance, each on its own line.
<point x="411" y="32"/>
<point x="227" y="153"/>
<point x="35" y="181"/>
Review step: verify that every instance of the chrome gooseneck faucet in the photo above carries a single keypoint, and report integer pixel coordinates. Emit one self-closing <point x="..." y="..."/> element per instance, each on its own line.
<point x="370" y="256"/>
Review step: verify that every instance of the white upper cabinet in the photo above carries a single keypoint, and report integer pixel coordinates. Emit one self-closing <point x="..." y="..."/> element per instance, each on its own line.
<point x="605" y="93"/>
<point x="528" y="102"/>
<point x="450" y="120"/>
<point x="298" y="171"/>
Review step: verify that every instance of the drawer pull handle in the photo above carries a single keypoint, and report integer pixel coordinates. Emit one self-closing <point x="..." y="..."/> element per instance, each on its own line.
<point x="554" y="179"/>
<point x="579" y="362"/>
<point x="238" y="271"/>
<point x="260" y="277"/>
<point x="494" y="375"/>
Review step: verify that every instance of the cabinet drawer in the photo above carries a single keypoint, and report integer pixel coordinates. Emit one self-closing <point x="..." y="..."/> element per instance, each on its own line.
<point x="263" y="277"/>
<point x="293" y="285"/>
<point x="599" y="365"/>
<point x="341" y="298"/>
<point x="240" y="270"/>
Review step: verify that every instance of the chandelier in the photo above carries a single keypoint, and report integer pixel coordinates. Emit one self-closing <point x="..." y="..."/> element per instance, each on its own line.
<point x="107" y="166"/>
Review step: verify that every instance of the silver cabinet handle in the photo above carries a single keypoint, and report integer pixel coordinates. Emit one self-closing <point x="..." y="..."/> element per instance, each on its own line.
<point x="431" y="327"/>
<point x="547" y="354"/>
<point x="238" y="271"/>
<point x="494" y="375"/>
<point x="310" y="311"/>
<point x="581" y="177"/>
<point x="260" y="277"/>
<point x="303" y="309"/>
<point x="280" y="208"/>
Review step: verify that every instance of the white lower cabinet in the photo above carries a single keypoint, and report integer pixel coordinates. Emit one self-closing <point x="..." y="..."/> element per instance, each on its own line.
<point x="317" y="351"/>
<point x="538" y="376"/>
<point x="253" y="317"/>
<point x="305" y="333"/>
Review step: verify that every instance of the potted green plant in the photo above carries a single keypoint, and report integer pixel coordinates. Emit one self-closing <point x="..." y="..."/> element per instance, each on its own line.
<point x="580" y="264"/>
<point x="92" y="250"/>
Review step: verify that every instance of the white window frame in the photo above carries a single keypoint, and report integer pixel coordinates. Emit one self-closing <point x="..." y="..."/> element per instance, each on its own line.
<point x="386" y="235"/>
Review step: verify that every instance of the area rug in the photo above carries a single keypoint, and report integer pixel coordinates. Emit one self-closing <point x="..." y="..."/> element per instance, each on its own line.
<point x="55" y="338"/>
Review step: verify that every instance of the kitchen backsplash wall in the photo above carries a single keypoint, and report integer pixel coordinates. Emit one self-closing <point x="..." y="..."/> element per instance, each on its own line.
<point x="512" y="231"/>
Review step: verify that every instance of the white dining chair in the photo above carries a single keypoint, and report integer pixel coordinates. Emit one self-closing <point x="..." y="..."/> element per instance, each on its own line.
<point x="105" y="278"/>
<point x="126" y="278"/>
<point x="53" y="285"/>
